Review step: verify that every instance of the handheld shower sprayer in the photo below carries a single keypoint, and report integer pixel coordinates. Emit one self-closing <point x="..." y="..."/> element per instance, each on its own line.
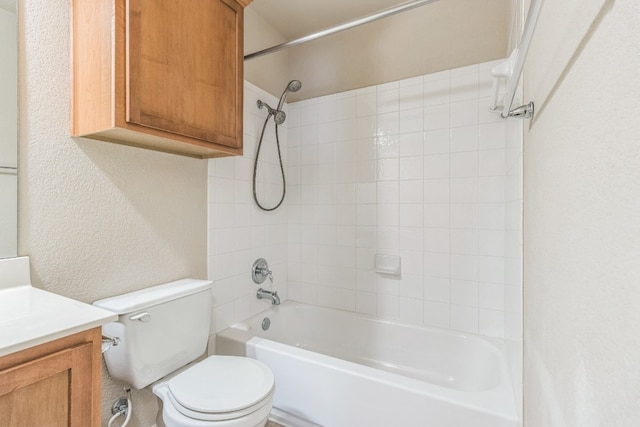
<point x="279" y="117"/>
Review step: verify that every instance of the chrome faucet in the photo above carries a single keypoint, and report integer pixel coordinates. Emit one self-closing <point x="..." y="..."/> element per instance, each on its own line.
<point x="272" y="295"/>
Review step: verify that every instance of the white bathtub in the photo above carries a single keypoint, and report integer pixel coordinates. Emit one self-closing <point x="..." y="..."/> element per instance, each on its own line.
<point x="340" y="369"/>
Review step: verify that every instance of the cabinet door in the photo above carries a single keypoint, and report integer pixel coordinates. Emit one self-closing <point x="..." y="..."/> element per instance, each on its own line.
<point x="184" y="68"/>
<point x="51" y="391"/>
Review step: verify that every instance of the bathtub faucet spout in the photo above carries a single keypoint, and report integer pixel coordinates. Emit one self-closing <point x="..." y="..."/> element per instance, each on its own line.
<point x="265" y="294"/>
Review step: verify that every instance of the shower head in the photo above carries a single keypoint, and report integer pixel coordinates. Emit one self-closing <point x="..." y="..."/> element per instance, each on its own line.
<point x="293" y="86"/>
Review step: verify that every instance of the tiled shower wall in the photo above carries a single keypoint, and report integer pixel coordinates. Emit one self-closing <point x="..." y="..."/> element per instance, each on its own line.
<point x="239" y="232"/>
<point x="414" y="168"/>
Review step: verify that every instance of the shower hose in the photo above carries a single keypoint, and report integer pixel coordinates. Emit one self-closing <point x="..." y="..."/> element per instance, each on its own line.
<point x="255" y="166"/>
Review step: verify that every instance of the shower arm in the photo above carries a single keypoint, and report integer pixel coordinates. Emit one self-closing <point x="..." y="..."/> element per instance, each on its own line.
<point x="342" y="27"/>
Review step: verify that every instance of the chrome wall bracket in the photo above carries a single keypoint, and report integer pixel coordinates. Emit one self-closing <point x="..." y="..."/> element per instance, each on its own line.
<point x="523" y="112"/>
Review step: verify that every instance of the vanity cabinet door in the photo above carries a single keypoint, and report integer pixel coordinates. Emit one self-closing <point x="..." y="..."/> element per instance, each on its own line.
<point x="51" y="390"/>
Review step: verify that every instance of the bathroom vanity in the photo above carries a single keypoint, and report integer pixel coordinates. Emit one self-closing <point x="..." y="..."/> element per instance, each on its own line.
<point x="50" y="354"/>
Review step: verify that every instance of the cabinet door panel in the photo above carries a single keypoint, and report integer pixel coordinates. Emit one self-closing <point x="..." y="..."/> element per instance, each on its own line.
<point x="51" y="391"/>
<point x="183" y="68"/>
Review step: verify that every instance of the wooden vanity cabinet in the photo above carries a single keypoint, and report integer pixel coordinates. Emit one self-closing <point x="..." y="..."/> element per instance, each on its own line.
<point x="162" y="75"/>
<point x="56" y="384"/>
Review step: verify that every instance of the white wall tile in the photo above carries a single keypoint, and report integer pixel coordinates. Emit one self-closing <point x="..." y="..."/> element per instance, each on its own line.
<point x="491" y="136"/>
<point x="388" y="100"/>
<point x="388" y="215"/>
<point x="388" y="306"/>
<point x="436" y="190"/>
<point x="491" y="323"/>
<point x="436" y="92"/>
<point x="410" y="239"/>
<point x="464" y="190"/>
<point x="411" y="310"/>
<point x="464" y="241"/>
<point x="411" y="94"/>
<point x="464" y="267"/>
<point x="411" y="121"/>
<point x="491" y="242"/>
<point x="438" y="117"/>
<point x="436" y="314"/>
<point x="415" y="168"/>
<point x="464" y="318"/>
<point x="491" y="162"/>
<point x="464" y="138"/>
<point x="436" y="215"/>
<point x="411" y="144"/>
<point x="437" y="141"/>
<point x="411" y="215"/>
<point x="464" y="215"/>
<point x="411" y="168"/>
<point x="411" y="191"/>
<point x="464" y="113"/>
<point x="436" y="264"/>
<point x="437" y="289"/>
<point x="346" y="107"/>
<point x="366" y="104"/>
<point x="464" y="164"/>
<point x="387" y="239"/>
<point x="491" y="296"/>
<point x="437" y="240"/>
<point x="388" y="192"/>
<point x="492" y="216"/>
<point x="436" y="166"/>
<point x="366" y="303"/>
<point x="464" y="292"/>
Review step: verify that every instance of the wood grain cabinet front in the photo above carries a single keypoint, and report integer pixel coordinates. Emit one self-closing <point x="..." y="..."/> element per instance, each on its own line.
<point x="159" y="74"/>
<point x="57" y="384"/>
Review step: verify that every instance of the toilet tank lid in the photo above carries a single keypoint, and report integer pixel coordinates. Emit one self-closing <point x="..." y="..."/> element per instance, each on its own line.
<point x="154" y="295"/>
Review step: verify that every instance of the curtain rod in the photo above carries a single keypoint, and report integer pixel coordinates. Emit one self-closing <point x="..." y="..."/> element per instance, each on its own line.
<point x="342" y="27"/>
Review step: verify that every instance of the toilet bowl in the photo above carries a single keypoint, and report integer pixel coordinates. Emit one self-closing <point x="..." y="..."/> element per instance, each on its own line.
<point x="160" y="331"/>
<point x="220" y="391"/>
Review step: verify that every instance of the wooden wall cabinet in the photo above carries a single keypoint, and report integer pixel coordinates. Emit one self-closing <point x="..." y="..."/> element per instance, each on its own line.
<point x="159" y="74"/>
<point x="57" y="384"/>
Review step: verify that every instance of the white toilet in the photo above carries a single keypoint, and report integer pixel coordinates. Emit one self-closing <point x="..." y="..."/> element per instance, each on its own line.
<point x="161" y="330"/>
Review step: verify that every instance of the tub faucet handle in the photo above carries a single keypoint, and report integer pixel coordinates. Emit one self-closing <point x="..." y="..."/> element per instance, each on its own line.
<point x="260" y="271"/>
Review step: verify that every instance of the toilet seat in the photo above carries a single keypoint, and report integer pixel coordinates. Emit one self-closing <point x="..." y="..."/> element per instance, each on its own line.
<point x="221" y="388"/>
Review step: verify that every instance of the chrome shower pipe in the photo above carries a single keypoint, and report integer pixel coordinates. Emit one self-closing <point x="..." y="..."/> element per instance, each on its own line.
<point x="342" y="27"/>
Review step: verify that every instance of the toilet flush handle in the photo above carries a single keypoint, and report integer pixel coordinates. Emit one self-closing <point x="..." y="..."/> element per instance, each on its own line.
<point x="141" y="317"/>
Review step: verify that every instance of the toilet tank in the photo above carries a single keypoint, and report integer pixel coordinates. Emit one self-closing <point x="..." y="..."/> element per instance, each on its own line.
<point x="160" y="329"/>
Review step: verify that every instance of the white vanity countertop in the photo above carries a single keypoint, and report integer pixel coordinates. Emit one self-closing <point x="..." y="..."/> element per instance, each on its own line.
<point x="31" y="316"/>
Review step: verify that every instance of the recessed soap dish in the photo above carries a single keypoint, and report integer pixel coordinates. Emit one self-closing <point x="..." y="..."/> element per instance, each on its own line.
<point x="387" y="264"/>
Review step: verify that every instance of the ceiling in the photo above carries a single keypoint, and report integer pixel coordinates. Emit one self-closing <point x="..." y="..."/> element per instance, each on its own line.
<point x="297" y="18"/>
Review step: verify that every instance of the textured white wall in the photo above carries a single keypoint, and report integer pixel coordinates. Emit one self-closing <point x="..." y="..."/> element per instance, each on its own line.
<point x="582" y="234"/>
<point x="97" y="219"/>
